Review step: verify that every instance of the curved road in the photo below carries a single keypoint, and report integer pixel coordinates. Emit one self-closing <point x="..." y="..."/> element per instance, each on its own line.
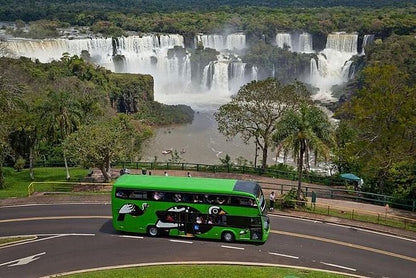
<point x="72" y="237"/>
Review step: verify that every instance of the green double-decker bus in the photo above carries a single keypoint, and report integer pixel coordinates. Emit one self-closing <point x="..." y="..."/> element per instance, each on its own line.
<point x="224" y="209"/>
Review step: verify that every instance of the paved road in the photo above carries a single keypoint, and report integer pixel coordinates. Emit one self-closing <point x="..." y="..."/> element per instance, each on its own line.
<point x="79" y="236"/>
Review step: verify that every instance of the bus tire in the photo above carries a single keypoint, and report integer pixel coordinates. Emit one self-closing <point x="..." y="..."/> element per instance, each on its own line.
<point x="152" y="231"/>
<point x="228" y="236"/>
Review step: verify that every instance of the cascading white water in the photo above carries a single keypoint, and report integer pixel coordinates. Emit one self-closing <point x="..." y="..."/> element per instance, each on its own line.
<point x="148" y="54"/>
<point x="236" y="41"/>
<point x="49" y="50"/>
<point x="366" y="40"/>
<point x="333" y="65"/>
<point x="283" y="39"/>
<point x="296" y="42"/>
<point x="172" y="72"/>
<point x="305" y="43"/>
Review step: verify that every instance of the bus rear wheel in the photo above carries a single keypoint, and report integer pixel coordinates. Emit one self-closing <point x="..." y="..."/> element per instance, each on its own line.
<point x="228" y="237"/>
<point x="152" y="231"/>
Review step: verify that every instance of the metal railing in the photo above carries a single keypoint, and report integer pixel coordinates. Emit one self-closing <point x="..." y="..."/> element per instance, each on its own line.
<point x="342" y="194"/>
<point x="385" y="218"/>
<point x="330" y="192"/>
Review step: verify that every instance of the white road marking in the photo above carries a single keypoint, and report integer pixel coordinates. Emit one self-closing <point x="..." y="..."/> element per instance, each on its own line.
<point x="51" y="236"/>
<point x="343" y="226"/>
<point x="339" y="266"/>
<point x="132" y="236"/>
<point x="372" y="232"/>
<point x="24" y="260"/>
<point x="181" y="241"/>
<point x="232" y="247"/>
<point x="283" y="255"/>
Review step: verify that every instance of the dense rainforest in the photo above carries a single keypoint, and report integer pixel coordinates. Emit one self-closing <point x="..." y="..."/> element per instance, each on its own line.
<point x="28" y="10"/>
<point x="376" y="129"/>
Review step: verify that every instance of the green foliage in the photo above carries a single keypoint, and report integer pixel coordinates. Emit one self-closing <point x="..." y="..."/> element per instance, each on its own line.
<point x="99" y="144"/>
<point x="43" y="104"/>
<point x="290" y="199"/>
<point x="128" y="91"/>
<point x="286" y="65"/>
<point x="241" y="161"/>
<point x="155" y="113"/>
<point x="383" y="122"/>
<point x="20" y="164"/>
<point x="107" y="29"/>
<point x="253" y="112"/>
<point x="302" y="131"/>
<point x="282" y="167"/>
<point x="226" y="161"/>
<point x="396" y="50"/>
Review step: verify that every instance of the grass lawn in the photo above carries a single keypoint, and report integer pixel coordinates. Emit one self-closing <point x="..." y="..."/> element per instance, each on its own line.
<point x="17" y="182"/>
<point x="206" y="271"/>
<point x="10" y="240"/>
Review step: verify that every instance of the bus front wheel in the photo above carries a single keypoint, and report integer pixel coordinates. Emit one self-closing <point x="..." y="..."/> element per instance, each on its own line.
<point x="152" y="231"/>
<point x="228" y="237"/>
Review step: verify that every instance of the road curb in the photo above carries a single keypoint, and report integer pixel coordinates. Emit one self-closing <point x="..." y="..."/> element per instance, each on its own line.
<point x="200" y="263"/>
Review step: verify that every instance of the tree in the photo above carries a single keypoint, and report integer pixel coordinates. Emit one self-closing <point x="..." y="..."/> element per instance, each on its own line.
<point x="383" y="118"/>
<point x="10" y="101"/>
<point x="255" y="109"/>
<point x="61" y="114"/>
<point x="99" y="144"/>
<point x="301" y="132"/>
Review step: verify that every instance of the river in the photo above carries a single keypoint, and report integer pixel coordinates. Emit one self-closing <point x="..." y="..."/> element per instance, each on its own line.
<point x="198" y="142"/>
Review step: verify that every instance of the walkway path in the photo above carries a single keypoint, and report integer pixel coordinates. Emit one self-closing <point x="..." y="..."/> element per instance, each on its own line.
<point x="266" y="182"/>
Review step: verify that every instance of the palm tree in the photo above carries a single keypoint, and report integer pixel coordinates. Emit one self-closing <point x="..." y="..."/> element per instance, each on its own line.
<point x="302" y="131"/>
<point x="61" y="116"/>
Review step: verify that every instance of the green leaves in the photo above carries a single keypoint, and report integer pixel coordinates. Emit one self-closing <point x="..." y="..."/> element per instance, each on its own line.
<point x="384" y="122"/>
<point x="255" y="109"/>
<point x="301" y="131"/>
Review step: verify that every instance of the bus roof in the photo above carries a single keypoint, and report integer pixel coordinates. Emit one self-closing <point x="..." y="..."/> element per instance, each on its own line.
<point x="186" y="184"/>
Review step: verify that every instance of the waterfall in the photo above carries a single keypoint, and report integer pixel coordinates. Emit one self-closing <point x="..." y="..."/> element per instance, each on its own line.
<point x="52" y="49"/>
<point x="166" y="59"/>
<point x="368" y="39"/>
<point x="236" y="72"/>
<point x="305" y="43"/>
<point x="342" y="42"/>
<point x="283" y="39"/>
<point x="236" y="41"/>
<point x="333" y="64"/>
<point x="297" y="42"/>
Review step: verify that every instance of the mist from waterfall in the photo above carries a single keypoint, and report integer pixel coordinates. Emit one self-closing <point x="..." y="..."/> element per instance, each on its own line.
<point x="218" y="80"/>
<point x="333" y="64"/>
<point x="221" y="78"/>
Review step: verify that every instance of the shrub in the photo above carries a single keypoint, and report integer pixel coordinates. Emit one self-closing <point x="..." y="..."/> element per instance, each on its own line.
<point x="289" y="199"/>
<point x="19" y="164"/>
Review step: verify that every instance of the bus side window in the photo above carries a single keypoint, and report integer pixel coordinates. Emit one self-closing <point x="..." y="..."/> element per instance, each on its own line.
<point x="138" y="195"/>
<point x="235" y="201"/>
<point x="187" y="198"/>
<point x="198" y="198"/>
<point x="121" y="194"/>
<point x="157" y="196"/>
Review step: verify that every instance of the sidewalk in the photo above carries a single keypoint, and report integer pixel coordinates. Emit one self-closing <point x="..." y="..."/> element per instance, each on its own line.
<point x="338" y="204"/>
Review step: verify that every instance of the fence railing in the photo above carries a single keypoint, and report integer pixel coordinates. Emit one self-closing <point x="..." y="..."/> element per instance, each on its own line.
<point x="238" y="169"/>
<point x="332" y="182"/>
<point x="341" y="194"/>
<point x="386" y="218"/>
